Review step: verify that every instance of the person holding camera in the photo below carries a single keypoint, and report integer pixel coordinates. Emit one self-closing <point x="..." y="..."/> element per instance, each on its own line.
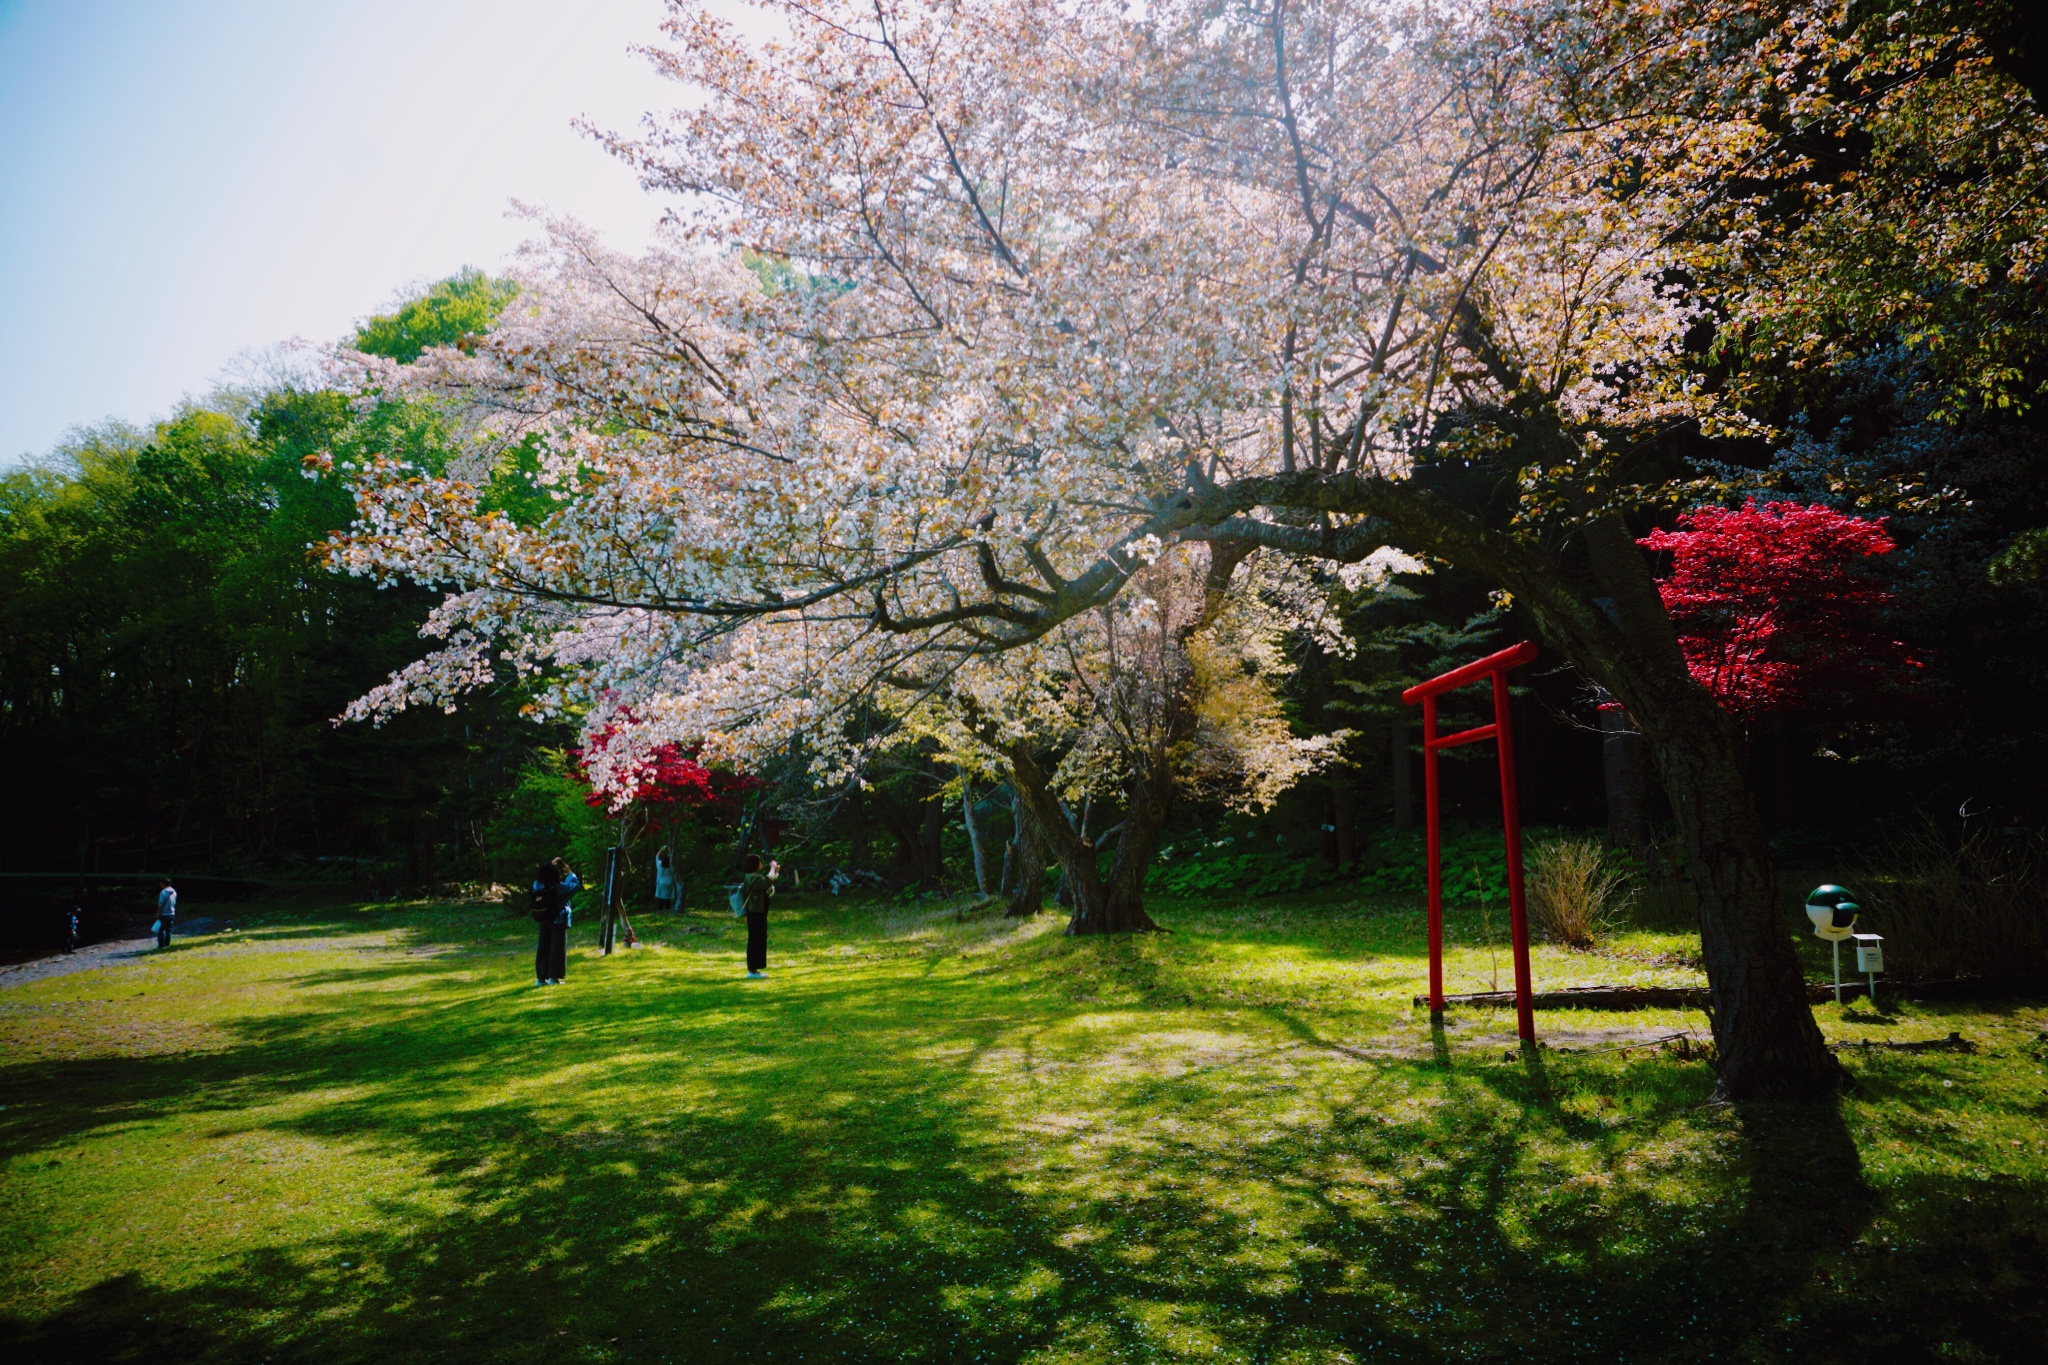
<point x="553" y="886"/>
<point x="757" y="888"/>
<point x="668" y="884"/>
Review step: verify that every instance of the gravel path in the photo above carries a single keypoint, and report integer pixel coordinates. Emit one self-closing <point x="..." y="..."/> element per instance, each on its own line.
<point x="85" y="959"/>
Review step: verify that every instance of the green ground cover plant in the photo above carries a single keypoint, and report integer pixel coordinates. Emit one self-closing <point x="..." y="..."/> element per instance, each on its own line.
<point x="1240" y="863"/>
<point x="934" y="1134"/>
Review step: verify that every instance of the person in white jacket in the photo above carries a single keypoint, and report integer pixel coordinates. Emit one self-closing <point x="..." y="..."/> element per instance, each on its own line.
<point x="166" y="911"/>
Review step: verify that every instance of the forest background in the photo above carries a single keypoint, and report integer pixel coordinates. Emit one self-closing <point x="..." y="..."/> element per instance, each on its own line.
<point x="177" y="660"/>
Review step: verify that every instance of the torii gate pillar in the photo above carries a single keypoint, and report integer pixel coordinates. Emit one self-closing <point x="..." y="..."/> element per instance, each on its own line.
<point x="1495" y="667"/>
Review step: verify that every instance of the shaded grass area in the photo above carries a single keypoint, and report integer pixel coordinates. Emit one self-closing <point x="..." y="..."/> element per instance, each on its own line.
<point x="936" y="1135"/>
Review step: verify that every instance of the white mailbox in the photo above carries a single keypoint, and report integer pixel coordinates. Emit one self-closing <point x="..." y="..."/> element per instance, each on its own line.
<point x="1869" y="953"/>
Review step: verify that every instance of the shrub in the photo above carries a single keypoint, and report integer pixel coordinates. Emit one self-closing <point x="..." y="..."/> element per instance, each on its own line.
<point x="1574" y="890"/>
<point x="1475" y="866"/>
<point x="1972" y="903"/>
<point x="1660" y="890"/>
<point x="1222" y="868"/>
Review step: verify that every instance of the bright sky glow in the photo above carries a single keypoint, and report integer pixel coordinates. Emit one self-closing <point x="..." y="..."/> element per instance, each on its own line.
<point x="185" y="180"/>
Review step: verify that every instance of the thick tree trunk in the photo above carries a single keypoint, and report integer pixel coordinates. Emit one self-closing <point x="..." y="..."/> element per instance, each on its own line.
<point x="1027" y="890"/>
<point x="1763" y="1026"/>
<point x="1096" y="911"/>
<point x="1766" y="1039"/>
<point x="1764" y="1031"/>
<point x="1148" y="801"/>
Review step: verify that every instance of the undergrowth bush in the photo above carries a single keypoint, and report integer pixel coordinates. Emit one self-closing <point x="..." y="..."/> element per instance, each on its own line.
<point x="1969" y="903"/>
<point x="1474" y="861"/>
<point x="1228" y="867"/>
<point x="1575" y="890"/>
<point x="1661" y="894"/>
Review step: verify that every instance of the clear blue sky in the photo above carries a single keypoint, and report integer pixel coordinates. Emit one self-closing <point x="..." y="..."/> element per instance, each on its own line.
<point x="184" y="180"/>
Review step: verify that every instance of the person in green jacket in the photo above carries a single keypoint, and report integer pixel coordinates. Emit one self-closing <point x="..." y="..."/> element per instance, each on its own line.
<point x="757" y="888"/>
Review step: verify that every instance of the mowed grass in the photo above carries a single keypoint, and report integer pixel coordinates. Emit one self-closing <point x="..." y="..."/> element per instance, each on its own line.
<point x="937" y="1135"/>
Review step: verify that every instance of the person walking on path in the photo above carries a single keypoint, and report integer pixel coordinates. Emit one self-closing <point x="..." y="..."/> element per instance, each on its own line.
<point x="757" y="888"/>
<point x="166" y="910"/>
<point x="668" y="887"/>
<point x="553" y="886"/>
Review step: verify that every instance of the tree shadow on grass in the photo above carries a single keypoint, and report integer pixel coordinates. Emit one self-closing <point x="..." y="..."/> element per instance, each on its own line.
<point x="575" y="1248"/>
<point x="757" y="1225"/>
<point x="1452" y="1258"/>
<point x="802" y="1179"/>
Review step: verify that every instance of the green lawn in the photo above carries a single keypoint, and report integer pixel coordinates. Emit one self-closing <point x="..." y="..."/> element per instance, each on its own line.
<point x="365" y="1135"/>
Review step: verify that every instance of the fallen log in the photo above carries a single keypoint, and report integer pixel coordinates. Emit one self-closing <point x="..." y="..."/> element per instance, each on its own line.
<point x="1955" y="1042"/>
<point x="1588" y="998"/>
<point x="1698" y="997"/>
<point x="1970" y="988"/>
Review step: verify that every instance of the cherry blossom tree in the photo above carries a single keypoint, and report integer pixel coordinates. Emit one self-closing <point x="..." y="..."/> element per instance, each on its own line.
<point x="1051" y="289"/>
<point x="1170" y="689"/>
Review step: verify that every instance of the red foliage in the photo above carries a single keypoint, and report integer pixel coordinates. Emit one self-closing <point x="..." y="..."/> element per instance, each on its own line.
<point x="673" y="777"/>
<point x="1773" y="610"/>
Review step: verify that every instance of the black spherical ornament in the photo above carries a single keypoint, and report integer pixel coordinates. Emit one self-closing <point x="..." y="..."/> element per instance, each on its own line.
<point x="1832" y="909"/>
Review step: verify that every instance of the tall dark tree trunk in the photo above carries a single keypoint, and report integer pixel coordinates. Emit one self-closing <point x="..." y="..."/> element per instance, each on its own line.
<point x="1024" y="881"/>
<point x="1344" y="815"/>
<point x="931" y="869"/>
<point x="1764" y="1031"/>
<point x="1763" y="1027"/>
<point x="1626" y="758"/>
<point x="974" y="839"/>
<point x="1148" y="800"/>
<point x="1399" y="772"/>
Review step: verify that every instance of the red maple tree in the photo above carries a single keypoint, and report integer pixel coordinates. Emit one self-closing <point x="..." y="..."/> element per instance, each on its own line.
<point x="671" y="777"/>
<point x="1775" y="610"/>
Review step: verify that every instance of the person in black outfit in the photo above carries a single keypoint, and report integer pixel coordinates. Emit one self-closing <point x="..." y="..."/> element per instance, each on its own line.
<point x="553" y="885"/>
<point x="756" y="888"/>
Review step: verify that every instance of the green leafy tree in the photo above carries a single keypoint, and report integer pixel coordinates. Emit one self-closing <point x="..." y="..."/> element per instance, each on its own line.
<point x="450" y="313"/>
<point x="176" y="659"/>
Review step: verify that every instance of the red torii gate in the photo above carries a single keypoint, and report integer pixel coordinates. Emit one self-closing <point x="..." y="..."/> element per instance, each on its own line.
<point x="1494" y="666"/>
